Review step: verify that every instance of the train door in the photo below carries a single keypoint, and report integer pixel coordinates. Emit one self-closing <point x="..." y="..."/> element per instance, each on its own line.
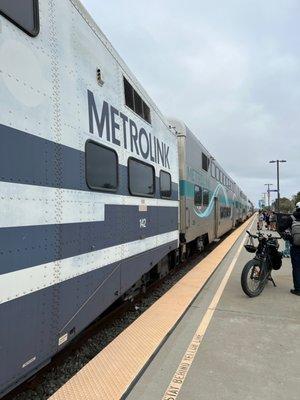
<point x="233" y="215"/>
<point x="216" y="216"/>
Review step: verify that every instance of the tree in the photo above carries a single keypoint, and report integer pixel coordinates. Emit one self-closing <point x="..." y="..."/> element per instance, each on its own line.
<point x="286" y="205"/>
<point x="296" y="198"/>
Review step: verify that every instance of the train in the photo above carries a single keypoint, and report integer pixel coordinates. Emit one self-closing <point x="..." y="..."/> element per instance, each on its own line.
<point x="98" y="189"/>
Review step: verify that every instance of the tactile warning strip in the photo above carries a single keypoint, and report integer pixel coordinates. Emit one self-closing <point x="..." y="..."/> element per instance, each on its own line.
<point x="108" y="375"/>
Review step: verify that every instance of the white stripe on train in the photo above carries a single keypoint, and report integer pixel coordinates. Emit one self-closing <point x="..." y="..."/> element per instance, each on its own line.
<point x="28" y="205"/>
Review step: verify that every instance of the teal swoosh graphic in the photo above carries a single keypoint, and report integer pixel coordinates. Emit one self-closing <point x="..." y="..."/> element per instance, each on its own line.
<point x="210" y="206"/>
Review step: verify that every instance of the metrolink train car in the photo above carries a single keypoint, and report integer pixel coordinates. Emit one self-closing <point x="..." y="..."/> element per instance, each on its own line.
<point x="89" y="183"/>
<point x="210" y="201"/>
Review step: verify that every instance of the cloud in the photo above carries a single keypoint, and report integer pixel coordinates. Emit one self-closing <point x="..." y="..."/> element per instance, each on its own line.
<point x="230" y="70"/>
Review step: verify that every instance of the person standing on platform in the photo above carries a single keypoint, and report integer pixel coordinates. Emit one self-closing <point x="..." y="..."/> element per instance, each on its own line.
<point x="272" y="221"/>
<point x="295" y="249"/>
<point x="267" y="220"/>
<point x="260" y="221"/>
<point x="287" y="244"/>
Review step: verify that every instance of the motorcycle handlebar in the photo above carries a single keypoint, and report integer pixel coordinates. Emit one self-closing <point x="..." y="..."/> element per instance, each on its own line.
<point x="250" y="234"/>
<point x="261" y="235"/>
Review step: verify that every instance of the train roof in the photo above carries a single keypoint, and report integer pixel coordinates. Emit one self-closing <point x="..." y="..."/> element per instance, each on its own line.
<point x="184" y="129"/>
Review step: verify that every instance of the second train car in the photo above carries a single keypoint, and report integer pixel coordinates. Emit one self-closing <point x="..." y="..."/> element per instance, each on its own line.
<point x="211" y="203"/>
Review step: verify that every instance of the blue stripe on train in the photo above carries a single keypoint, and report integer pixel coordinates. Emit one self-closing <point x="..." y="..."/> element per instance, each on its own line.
<point x="31" y="160"/>
<point x="33" y="323"/>
<point x="23" y="247"/>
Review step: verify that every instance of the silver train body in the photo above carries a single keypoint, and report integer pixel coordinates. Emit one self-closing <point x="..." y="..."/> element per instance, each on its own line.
<point x="89" y="183"/>
<point x="211" y="203"/>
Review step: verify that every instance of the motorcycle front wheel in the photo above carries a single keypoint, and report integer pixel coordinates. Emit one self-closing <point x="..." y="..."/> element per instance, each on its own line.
<point x="253" y="278"/>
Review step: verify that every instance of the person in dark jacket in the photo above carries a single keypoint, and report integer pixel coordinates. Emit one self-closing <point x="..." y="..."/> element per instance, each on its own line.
<point x="267" y="220"/>
<point x="295" y="254"/>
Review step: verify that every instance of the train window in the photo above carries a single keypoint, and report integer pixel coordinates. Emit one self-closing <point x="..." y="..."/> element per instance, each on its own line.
<point x="128" y="89"/>
<point x="205" y="197"/>
<point x="134" y="101"/>
<point x="165" y="184"/>
<point x="213" y="170"/>
<point x="217" y="173"/>
<point x="24" y="14"/>
<point x="146" y="110"/>
<point x="101" y="167"/>
<point x="138" y="104"/>
<point x="225" y="212"/>
<point x="205" y="162"/>
<point x="141" y="178"/>
<point x="197" y="195"/>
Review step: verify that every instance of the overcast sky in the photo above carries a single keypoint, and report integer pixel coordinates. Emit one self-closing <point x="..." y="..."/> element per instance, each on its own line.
<point x="229" y="69"/>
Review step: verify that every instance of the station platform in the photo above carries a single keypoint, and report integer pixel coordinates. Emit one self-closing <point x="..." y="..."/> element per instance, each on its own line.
<point x="217" y="343"/>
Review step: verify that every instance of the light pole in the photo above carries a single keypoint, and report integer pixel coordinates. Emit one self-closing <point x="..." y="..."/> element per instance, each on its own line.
<point x="269" y="184"/>
<point x="278" y="193"/>
<point x="264" y="198"/>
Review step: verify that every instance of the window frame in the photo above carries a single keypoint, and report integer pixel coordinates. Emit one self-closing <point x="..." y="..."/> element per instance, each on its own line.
<point x="168" y="173"/>
<point x="133" y="97"/>
<point x="36" y="20"/>
<point x="206" y="158"/>
<point x="128" y="178"/>
<point x="225" y="212"/>
<point x="148" y="112"/>
<point x="136" y="99"/>
<point x="100" y="189"/>
<point x="213" y="170"/>
<point x="223" y="179"/>
<point x="205" y="191"/>
<point x="126" y="82"/>
<point x="201" y="189"/>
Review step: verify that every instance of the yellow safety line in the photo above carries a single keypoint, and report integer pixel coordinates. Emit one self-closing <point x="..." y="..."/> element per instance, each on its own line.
<point x="187" y="360"/>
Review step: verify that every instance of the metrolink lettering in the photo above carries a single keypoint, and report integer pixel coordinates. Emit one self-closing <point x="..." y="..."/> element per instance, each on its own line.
<point x="118" y="129"/>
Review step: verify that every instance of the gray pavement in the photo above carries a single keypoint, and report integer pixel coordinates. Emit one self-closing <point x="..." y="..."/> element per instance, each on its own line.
<point x="251" y="349"/>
